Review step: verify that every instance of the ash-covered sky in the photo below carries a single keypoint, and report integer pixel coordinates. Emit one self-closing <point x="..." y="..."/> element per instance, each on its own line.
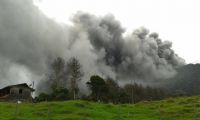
<point x="29" y="40"/>
<point x="175" y="20"/>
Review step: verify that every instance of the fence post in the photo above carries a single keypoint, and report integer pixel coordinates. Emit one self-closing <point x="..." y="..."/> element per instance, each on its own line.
<point x="159" y="112"/>
<point x="16" y="112"/>
<point x="194" y="115"/>
<point x="48" y="113"/>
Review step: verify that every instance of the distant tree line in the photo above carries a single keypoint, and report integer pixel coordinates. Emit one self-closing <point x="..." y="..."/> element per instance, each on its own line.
<point x="109" y="91"/>
<point x="64" y="77"/>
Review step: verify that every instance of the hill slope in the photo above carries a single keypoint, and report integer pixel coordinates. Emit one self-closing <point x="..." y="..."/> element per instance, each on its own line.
<point x="185" y="108"/>
<point x="187" y="80"/>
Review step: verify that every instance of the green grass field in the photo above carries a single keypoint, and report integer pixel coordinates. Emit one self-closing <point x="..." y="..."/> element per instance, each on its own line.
<point x="183" y="108"/>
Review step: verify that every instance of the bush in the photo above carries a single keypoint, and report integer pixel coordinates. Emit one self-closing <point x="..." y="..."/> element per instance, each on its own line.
<point x="59" y="94"/>
<point x="42" y="97"/>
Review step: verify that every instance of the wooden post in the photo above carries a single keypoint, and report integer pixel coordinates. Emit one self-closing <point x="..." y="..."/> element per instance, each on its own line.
<point x="48" y="113"/>
<point x="16" y="112"/>
<point x="160" y="113"/>
<point x="195" y="112"/>
<point x="129" y="116"/>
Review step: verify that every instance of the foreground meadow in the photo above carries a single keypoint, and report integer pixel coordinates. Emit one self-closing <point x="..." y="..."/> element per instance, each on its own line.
<point x="183" y="108"/>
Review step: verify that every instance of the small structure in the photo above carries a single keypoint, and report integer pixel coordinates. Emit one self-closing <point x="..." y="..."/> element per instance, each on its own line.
<point x="17" y="92"/>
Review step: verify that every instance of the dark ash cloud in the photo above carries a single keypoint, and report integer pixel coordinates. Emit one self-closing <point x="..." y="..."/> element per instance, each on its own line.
<point x="29" y="40"/>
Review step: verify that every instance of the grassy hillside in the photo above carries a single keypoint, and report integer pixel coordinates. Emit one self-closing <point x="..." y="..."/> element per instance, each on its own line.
<point x="185" y="108"/>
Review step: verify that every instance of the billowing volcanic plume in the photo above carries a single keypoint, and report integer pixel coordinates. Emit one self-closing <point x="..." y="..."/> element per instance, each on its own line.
<point x="29" y="41"/>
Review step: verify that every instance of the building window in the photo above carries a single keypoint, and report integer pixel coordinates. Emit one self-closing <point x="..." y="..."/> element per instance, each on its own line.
<point x="20" y="91"/>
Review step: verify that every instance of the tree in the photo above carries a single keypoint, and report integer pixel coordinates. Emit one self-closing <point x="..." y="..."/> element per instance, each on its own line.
<point x="113" y="90"/>
<point x="98" y="87"/>
<point x="135" y="92"/>
<point x="59" y="94"/>
<point x="75" y="73"/>
<point x="56" y="77"/>
<point x="57" y="73"/>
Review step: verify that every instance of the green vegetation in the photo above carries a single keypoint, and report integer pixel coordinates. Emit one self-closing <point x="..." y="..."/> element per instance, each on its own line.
<point x="183" y="108"/>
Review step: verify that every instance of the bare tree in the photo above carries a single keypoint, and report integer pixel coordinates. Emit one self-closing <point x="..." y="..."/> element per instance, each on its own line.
<point x="75" y="75"/>
<point x="57" y="74"/>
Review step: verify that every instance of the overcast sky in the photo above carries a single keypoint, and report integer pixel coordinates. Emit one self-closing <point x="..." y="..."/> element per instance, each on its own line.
<point x="174" y="20"/>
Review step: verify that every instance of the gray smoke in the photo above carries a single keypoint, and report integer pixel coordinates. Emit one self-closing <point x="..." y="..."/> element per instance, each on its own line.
<point x="140" y="55"/>
<point x="29" y="41"/>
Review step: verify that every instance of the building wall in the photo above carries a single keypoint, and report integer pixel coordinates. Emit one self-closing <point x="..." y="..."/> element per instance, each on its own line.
<point x="20" y="92"/>
<point x="4" y="92"/>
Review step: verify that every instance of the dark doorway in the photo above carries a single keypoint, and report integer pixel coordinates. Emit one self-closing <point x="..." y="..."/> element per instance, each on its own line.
<point x="20" y="91"/>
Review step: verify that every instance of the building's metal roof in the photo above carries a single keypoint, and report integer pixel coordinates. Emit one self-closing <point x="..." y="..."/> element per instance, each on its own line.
<point x="22" y="84"/>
